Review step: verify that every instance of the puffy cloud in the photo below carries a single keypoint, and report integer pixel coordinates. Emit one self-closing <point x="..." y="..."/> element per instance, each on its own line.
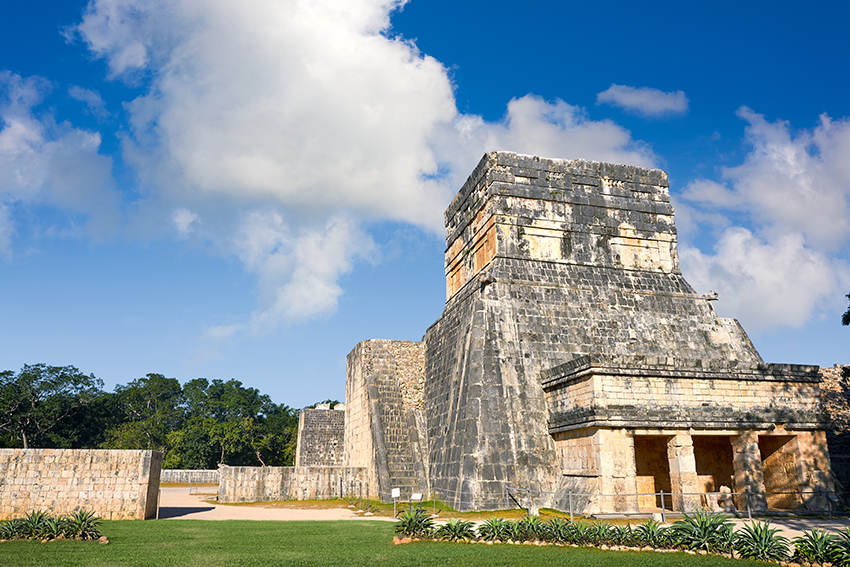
<point x="767" y="283"/>
<point x="94" y="103"/>
<point x="645" y="101"/>
<point x="794" y="189"/>
<point x="48" y="163"/>
<point x="297" y="123"/>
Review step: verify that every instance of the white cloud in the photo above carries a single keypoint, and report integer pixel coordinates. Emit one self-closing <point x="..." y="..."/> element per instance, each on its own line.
<point x="310" y="113"/>
<point x="794" y="189"/>
<point x="644" y="100"/>
<point x="94" y="103"/>
<point x="183" y="219"/>
<point x="43" y="162"/>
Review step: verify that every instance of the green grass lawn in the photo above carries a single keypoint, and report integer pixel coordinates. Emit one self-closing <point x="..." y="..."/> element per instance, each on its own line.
<point x="347" y="543"/>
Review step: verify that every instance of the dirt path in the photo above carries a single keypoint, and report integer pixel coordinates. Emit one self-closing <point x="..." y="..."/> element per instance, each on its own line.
<point x="177" y="503"/>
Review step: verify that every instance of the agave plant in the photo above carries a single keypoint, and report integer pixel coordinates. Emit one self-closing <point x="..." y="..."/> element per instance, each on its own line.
<point x="702" y="531"/>
<point x="493" y="529"/>
<point x="651" y="533"/>
<point x="456" y="530"/>
<point x="842" y="547"/>
<point x="530" y="528"/>
<point x="815" y="546"/>
<point x="32" y="526"/>
<point x="414" y="523"/>
<point x="10" y="529"/>
<point x="760" y="542"/>
<point x="622" y="535"/>
<point x="600" y="533"/>
<point x="558" y="529"/>
<point x="83" y="525"/>
<point x="580" y="533"/>
<point x="54" y="527"/>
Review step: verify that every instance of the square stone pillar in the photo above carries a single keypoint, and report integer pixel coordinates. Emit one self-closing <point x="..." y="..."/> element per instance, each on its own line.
<point x="683" y="473"/>
<point x="749" y="474"/>
<point x="813" y="468"/>
<point x="615" y="458"/>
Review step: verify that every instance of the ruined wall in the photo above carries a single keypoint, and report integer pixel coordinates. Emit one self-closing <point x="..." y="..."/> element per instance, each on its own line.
<point x="185" y="476"/>
<point x="321" y="433"/>
<point x="384" y="421"/>
<point x="268" y="484"/>
<point x="546" y="261"/>
<point x="115" y="485"/>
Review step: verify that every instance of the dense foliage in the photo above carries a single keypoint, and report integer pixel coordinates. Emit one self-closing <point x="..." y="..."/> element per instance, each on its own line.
<point x="197" y="425"/>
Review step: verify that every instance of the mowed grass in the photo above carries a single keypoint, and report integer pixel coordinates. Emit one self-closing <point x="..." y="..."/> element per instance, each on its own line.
<point x="237" y="543"/>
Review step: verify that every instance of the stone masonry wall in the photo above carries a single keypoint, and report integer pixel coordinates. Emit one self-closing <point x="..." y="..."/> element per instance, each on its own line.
<point x="320" y="437"/>
<point x="115" y="485"/>
<point x="385" y="422"/>
<point x="268" y="484"/>
<point x="613" y="391"/>
<point x="185" y="476"/>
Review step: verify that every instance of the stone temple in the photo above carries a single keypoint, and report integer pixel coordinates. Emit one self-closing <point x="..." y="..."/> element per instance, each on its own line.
<point x="574" y="357"/>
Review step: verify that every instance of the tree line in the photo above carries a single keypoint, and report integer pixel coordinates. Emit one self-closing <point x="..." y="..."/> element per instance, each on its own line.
<point x="196" y="425"/>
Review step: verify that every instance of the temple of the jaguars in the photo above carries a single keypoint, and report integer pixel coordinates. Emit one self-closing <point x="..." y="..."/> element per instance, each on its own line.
<point x="573" y="358"/>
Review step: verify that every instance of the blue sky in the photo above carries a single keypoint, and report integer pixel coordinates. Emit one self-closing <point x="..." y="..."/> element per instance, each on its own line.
<point x="247" y="189"/>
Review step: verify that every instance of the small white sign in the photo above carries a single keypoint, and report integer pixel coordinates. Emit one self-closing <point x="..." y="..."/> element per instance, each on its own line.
<point x="416" y="497"/>
<point x="396" y="492"/>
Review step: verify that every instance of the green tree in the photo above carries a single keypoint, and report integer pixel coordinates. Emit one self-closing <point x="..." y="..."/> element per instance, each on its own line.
<point x="36" y="399"/>
<point x="151" y="408"/>
<point x="845" y="319"/>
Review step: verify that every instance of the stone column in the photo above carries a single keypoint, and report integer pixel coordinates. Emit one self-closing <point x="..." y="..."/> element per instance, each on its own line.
<point x="683" y="473"/>
<point x="615" y="451"/>
<point x="749" y="475"/>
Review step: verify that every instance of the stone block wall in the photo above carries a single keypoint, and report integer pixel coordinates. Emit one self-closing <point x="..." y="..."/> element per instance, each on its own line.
<point x="268" y="484"/>
<point x="666" y="392"/>
<point x="115" y="485"/>
<point x="385" y="422"/>
<point x="185" y="476"/>
<point x="321" y="433"/>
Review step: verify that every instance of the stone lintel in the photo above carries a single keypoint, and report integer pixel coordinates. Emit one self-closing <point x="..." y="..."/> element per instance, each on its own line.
<point x="681" y="368"/>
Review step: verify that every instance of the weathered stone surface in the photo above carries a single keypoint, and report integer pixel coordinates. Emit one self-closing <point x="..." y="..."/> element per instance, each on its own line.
<point x="267" y="484"/>
<point x="384" y="416"/>
<point x="320" y="437"/>
<point x="115" y="485"/>
<point x="189" y="475"/>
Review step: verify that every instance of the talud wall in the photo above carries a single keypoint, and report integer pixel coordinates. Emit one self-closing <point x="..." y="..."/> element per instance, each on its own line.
<point x="185" y="476"/>
<point x="268" y="484"/>
<point x="115" y="485"/>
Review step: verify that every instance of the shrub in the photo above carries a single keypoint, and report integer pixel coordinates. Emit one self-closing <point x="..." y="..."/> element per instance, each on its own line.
<point x="558" y="529"/>
<point x="815" y="546"/>
<point x="579" y="533"/>
<point x="622" y="535"/>
<point x="83" y="525"/>
<point x="600" y="533"/>
<point x="33" y="525"/>
<point x="414" y="523"/>
<point x="495" y="529"/>
<point x="702" y="531"/>
<point x="760" y="542"/>
<point x="651" y="533"/>
<point x="456" y="530"/>
<point x="530" y="528"/>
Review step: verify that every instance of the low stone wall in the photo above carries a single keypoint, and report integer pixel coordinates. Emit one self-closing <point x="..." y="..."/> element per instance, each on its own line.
<point x="115" y="485"/>
<point x="189" y="475"/>
<point x="266" y="484"/>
